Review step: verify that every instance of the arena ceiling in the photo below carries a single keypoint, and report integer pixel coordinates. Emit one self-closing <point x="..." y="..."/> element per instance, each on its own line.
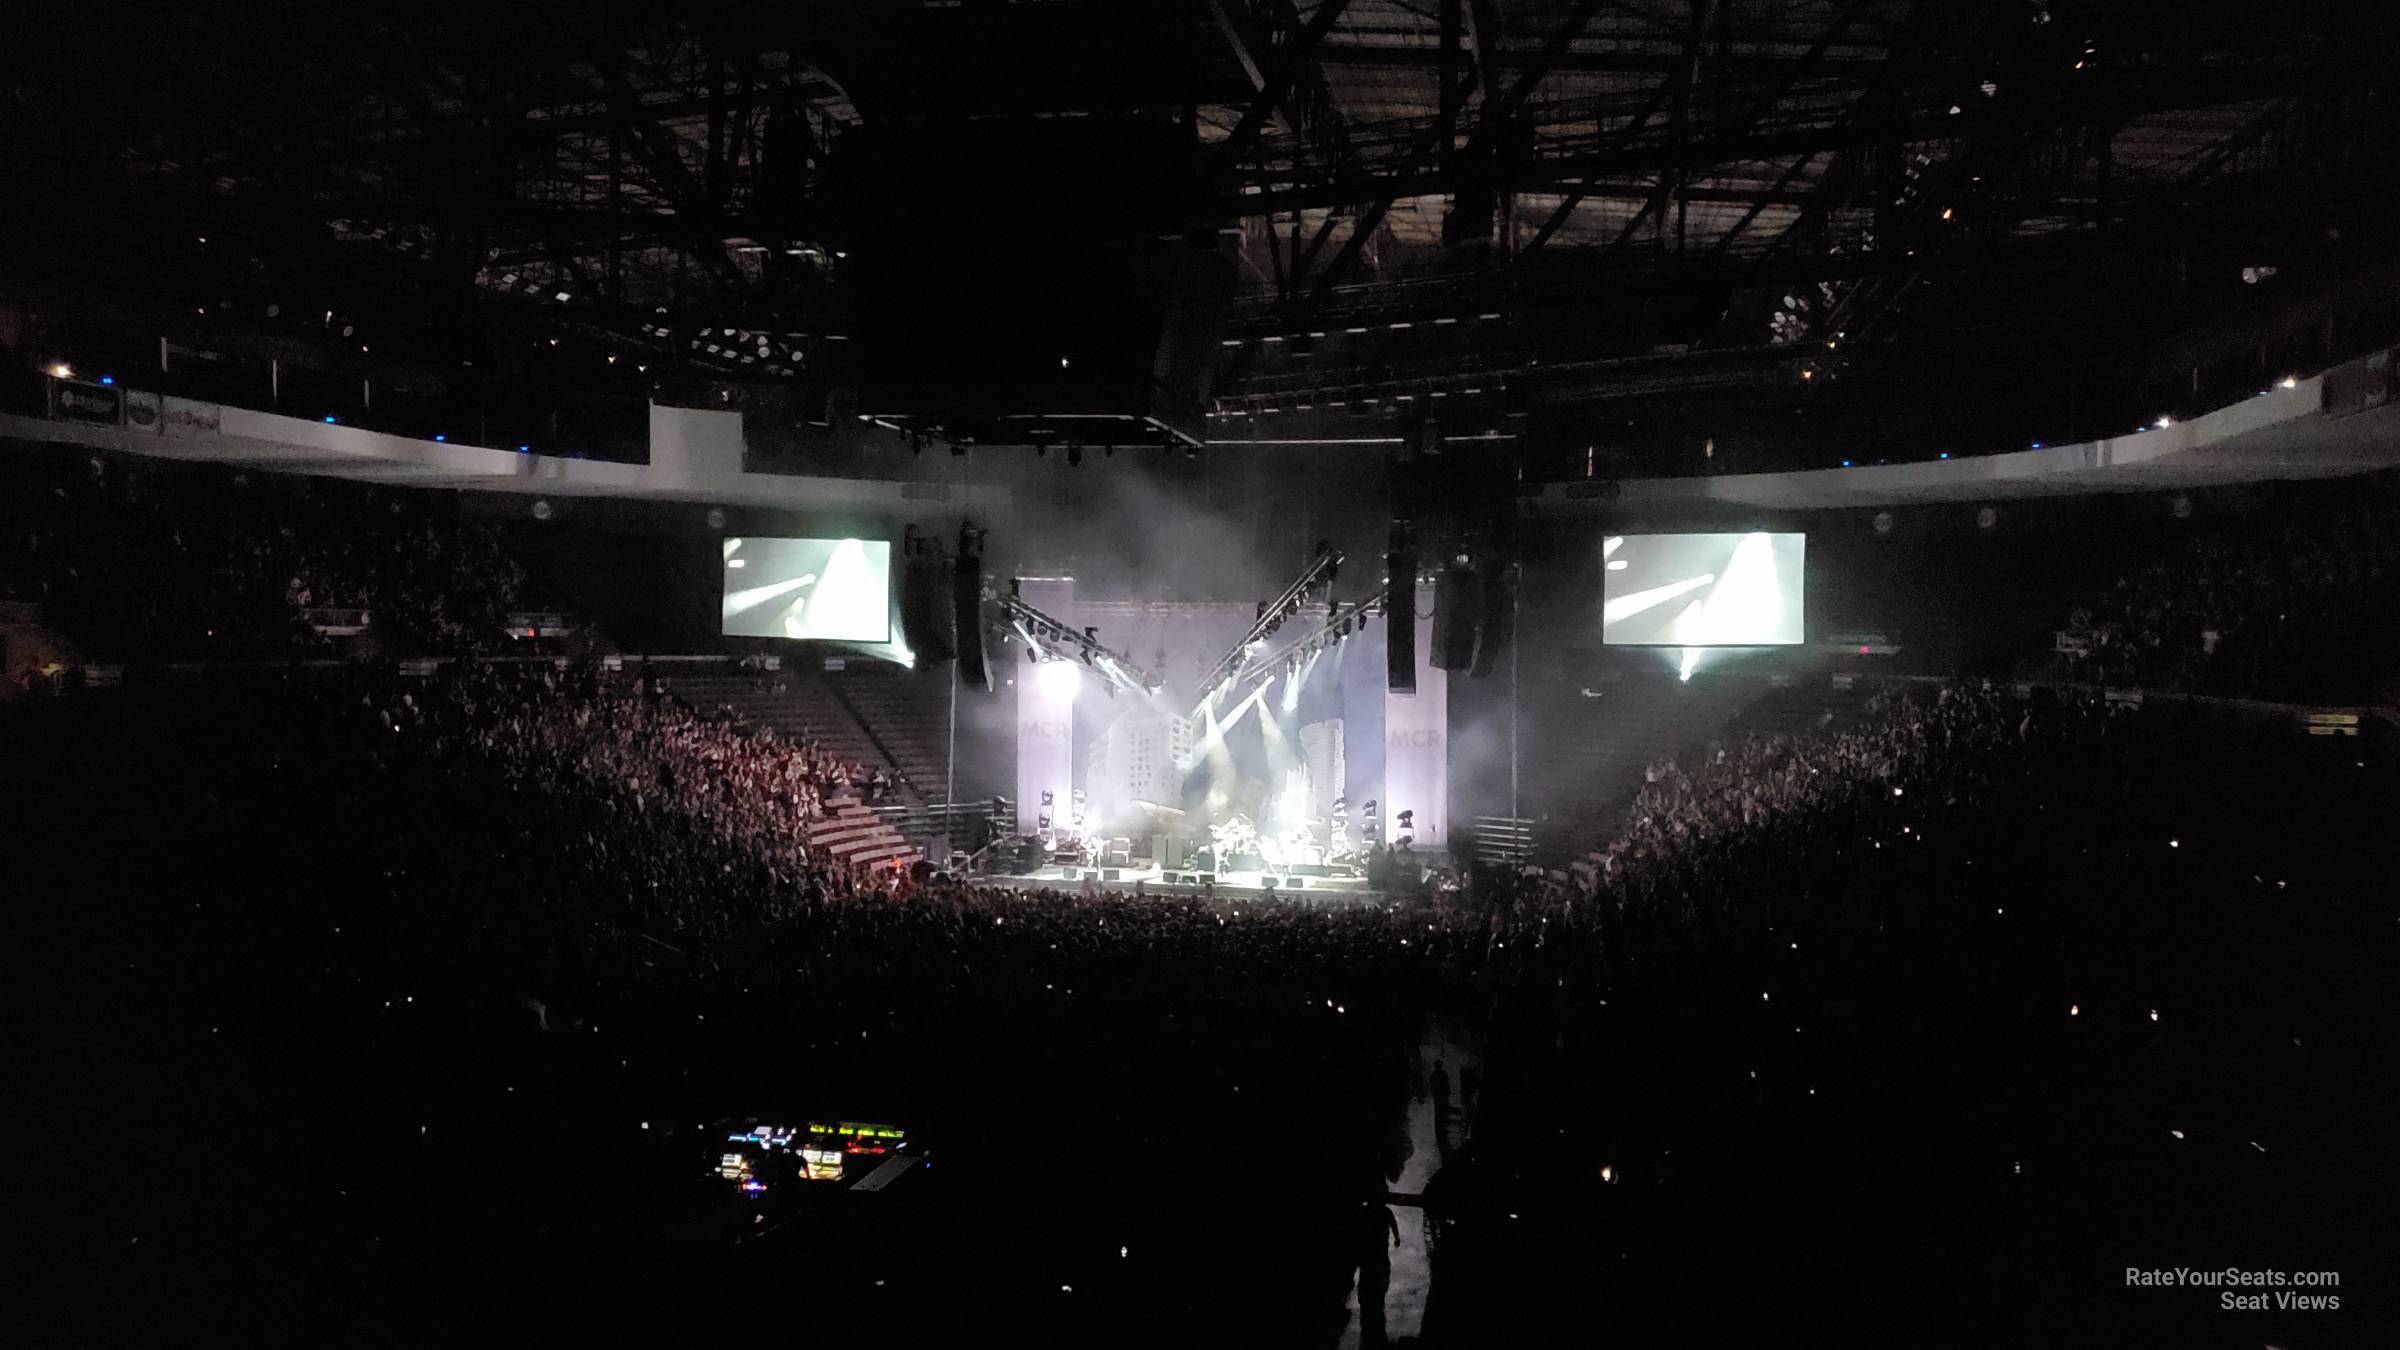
<point x="1524" y="206"/>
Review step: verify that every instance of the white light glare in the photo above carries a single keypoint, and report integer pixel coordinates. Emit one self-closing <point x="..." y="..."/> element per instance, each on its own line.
<point x="1059" y="679"/>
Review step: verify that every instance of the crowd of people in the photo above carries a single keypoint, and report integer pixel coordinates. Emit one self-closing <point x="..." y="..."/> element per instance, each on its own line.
<point x="2275" y="604"/>
<point x="1925" y="940"/>
<point x="660" y="788"/>
<point x="2065" y="982"/>
<point x="152" y="560"/>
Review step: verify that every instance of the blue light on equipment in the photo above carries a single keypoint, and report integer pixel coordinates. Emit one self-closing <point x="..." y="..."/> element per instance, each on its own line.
<point x="1845" y="464"/>
<point x="108" y="379"/>
<point x="1945" y="454"/>
<point x="329" y="417"/>
<point x="439" y="437"/>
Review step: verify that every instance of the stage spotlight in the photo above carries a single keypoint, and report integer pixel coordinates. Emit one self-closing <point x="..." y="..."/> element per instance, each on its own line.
<point x="542" y="510"/>
<point x="1986" y="518"/>
<point x="1059" y="679"/>
<point x="716" y="518"/>
<point x="60" y="370"/>
<point x="1883" y="522"/>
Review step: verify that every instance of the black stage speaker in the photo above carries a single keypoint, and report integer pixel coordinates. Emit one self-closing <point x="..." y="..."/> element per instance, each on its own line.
<point x="1499" y="618"/>
<point x="1400" y="617"/>
<point x="925" y="610"/>
<point x="1457" y="616"/>
<point x="966" y="602"/>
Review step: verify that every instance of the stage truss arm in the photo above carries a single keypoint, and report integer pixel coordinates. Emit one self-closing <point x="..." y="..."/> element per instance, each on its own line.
<point x="1059" y="642"/>
<point x="1320" y="570"/>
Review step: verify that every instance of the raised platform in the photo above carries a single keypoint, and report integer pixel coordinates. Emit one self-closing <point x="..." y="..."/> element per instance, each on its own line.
<point x="1244" y="885"/>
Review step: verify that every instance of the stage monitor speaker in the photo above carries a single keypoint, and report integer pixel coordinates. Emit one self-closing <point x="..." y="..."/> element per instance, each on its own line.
<point x="966" y="599"/>
<point x="1091" y="875"/>
<point x="1457" y="617"/>
<point x="1110" y="874"/>
<point x="1206" y="878"/>
<point x="1400" y="618"/>
<point x="925" y="611"/>
<point x="1499" y="618"/>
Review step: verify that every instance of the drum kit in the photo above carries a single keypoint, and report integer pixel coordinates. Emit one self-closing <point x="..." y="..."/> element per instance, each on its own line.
<point x="1310" y="843"/>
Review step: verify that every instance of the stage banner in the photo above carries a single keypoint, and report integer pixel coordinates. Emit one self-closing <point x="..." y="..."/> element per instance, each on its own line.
<point x="1045" y="716"/>
<point x="1416" y="749"/>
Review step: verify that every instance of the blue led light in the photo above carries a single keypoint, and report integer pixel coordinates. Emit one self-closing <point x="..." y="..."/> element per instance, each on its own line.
<point x="329" y="418"/>
<point x="439" y="437"/>
<point x="108" y="379"/>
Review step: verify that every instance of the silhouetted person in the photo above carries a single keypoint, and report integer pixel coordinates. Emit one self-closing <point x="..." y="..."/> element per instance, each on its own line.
<point x="1440" y="1083"/>
<point x="1378" y="1233"/>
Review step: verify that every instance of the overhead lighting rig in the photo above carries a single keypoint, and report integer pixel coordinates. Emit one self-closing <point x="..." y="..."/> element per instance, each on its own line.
<point x="1049" y="638"/>
<point x="1271" y="616"/>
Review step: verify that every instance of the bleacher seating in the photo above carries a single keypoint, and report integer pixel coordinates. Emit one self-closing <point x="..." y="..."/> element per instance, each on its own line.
<point x="852" y="834"/>
<point x="794" y="704"/>
<point x="908" y="712"/>
<point x="1594" y="749"/>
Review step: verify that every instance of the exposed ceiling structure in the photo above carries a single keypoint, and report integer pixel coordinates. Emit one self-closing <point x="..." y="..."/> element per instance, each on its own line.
<point x="1522" y="222"/>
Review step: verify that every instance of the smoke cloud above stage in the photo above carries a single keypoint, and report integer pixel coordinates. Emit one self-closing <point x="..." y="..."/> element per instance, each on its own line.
<point x="1263" y="746"/>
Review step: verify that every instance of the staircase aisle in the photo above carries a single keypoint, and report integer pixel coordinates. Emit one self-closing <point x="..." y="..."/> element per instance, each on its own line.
<point x="850" y="833"/>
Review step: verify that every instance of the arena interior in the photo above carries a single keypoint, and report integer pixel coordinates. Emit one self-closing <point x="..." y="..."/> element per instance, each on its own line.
<point x="1202" y="673"/>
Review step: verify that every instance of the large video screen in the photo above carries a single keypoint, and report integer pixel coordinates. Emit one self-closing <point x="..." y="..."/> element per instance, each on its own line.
<point x="1701" y="590"/>
<point x="816" y="590"/>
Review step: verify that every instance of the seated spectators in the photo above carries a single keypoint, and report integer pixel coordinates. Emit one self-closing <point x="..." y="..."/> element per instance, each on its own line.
<point x="155" y="560"/>
<point x="2275" y="604"/>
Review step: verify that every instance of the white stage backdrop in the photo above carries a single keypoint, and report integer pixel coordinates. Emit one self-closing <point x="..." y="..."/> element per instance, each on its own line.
<point x="1416" y="750"/>
<point x="1046" y="715"/>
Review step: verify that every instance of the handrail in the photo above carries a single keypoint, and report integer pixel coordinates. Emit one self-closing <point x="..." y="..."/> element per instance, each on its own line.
<point x="899" y="775"/>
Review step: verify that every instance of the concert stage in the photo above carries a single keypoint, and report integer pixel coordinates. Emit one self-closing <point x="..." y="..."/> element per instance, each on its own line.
<point x="1243" y="885"/>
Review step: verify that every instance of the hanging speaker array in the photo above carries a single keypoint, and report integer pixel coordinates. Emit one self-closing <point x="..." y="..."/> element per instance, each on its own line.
<point x="966" y="600"/>
<point x="1457" y="615"/>
<point x="1400" y="615"/>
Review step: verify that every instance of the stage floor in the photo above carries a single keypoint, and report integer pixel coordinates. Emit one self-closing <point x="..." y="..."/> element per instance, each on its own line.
<point x="1241" y="885"/>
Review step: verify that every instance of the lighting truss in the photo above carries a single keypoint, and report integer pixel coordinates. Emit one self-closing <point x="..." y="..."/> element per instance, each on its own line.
<point x="1320" y="570"/>
<point x="1060" y="642"/>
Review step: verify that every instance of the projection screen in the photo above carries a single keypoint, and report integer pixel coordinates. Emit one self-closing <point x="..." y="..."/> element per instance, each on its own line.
<point x="1701" y="590"/>
<point x="815" y="590"/>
